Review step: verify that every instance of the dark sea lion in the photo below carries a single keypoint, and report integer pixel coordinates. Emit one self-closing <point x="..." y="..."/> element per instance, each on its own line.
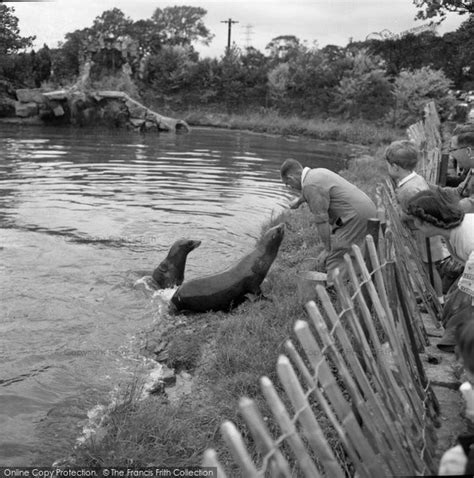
<point x="170" y="272"/>
<point x="227" y="289"/>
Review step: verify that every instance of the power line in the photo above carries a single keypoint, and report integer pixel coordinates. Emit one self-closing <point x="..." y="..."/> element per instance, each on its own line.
<point x="248" y="34"/>
<point x="229" y="29"/>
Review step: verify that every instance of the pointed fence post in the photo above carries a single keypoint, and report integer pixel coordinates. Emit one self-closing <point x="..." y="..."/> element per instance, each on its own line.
<point x="277" y="464"/>
<point x="210" y="460"/>
<point x="236" y="445"/>
<point x="287" y="426"/>
<point x="311" y="427"/>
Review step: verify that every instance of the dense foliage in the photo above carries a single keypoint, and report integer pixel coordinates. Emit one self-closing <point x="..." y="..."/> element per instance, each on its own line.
<point x="439" y="8"/>
<point x="10" y="39"/>
<point x="386" y="80"/>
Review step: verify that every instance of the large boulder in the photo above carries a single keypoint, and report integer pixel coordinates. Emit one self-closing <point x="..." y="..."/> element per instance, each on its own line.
<point x="25" y="110"/>
<point x="30" y="95"/>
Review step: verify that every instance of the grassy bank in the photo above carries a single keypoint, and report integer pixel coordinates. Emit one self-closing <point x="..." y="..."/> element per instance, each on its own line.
<point x="230" y="352"/>
<point x="267" y="120"/>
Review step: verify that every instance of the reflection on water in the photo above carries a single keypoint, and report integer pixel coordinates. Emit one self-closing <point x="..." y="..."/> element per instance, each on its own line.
<point x="82" y="214"/>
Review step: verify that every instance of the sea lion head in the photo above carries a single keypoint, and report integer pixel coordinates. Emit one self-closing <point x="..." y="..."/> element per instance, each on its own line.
<point x="271" y="240"/>
<point x="274" y="236"/>
<point x="170" y="272"/>
<point x="183" y="246"/>
<point x="268" y="249"/>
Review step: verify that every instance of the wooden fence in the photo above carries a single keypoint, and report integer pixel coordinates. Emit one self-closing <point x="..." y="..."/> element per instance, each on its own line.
<point x="356" y="362"/>
<point x="426" y="135"/>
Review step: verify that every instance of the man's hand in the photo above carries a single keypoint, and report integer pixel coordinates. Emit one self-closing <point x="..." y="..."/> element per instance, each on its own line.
<point x="296" y="203"/>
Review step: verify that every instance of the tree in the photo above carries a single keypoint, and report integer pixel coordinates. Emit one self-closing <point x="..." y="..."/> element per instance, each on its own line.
<point x="414" y="89"/>
<point x="464" y="36"/>
<point x="278" y="80"/>
<point x="10" y="39"/>
<point x="111" y="23"/>
<point x="408" y="52"/>
<point x="439" y="8"/>
<point x="66" y="60"/>
<point x="283" y="47"/>
<point x="365" y="91"/>
<point x="146" y="33"/>
<point x="169" y="70"/>
<point x="42" y="65"/>
<point x="181" y="25"/>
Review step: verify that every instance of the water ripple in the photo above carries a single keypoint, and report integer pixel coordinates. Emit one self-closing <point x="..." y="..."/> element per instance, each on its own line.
<point x="81" y="211"/>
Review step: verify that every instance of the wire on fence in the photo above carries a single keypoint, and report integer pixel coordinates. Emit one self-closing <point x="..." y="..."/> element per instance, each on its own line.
<point x="359" y="367"/>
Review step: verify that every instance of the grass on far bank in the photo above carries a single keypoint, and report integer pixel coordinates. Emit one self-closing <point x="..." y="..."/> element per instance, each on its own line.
<point x="269" y="120"/>
<point x="237" y="349"/>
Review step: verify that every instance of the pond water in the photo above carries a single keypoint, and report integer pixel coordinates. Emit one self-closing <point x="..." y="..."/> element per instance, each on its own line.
<point x="83" y="215"/>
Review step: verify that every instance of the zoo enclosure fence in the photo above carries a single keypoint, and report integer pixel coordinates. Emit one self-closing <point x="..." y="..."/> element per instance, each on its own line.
<point x="356" y="364"/>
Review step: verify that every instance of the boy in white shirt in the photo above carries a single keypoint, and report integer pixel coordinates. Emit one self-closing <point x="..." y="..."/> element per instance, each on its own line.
<point x="402" y="158"/>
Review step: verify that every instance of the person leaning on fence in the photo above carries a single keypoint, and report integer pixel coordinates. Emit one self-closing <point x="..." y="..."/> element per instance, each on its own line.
<point x="434" y="213"/>
<point x="341" y="210"/>
<point x="402" y="158"/>
<point x="462" y="150"/>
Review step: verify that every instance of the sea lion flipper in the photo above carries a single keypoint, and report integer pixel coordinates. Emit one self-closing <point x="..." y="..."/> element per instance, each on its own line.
<point x="253" y="297"/>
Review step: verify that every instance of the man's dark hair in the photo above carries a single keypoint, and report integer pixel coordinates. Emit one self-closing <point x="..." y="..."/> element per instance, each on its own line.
<point x="289" y="166"/>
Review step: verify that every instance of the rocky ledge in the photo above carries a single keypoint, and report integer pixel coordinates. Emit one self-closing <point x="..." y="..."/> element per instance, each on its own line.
<point x="110" y="108"/>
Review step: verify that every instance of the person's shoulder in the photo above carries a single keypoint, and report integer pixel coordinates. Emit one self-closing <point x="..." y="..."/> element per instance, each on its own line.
<point x="322" y="171"/>
<point x="321" y="174"/>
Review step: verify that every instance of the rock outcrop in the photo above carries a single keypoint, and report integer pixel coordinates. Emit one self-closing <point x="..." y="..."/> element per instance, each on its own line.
<point x="110" y="108"/>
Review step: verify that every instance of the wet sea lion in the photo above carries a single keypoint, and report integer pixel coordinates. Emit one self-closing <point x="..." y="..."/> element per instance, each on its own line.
<point x="227" y="289"/>
<point x="170" y="272"/>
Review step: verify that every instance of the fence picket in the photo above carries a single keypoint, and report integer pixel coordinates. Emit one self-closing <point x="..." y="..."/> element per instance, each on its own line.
<point x="236" y="445"/>
<point x="379" y="422"/>
<point x="278" y="465"/>
<point x="345" y="415"/>
<point x="287" y="426"/>
<point x="311" y="427"/>
<point x="210" y="460"/>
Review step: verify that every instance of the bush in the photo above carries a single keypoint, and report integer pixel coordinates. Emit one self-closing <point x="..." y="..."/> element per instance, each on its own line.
<point x="414" y="89"/>
<point x="365" y="91"/>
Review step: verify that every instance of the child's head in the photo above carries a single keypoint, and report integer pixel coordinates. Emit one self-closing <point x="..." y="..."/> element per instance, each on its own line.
<point x="402" y="158"/>
<point x="465" y="344"/>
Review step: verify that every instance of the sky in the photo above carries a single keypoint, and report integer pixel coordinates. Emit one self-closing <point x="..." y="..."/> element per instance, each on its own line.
<point x="259" y="21"/>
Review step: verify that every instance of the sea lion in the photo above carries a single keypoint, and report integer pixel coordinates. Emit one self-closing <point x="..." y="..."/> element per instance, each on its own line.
<point x="170" y="272"/>
<point x="227" y="289"/>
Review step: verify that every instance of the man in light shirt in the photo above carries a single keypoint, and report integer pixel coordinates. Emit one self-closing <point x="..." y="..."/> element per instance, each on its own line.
<point x="341" y="210"/>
